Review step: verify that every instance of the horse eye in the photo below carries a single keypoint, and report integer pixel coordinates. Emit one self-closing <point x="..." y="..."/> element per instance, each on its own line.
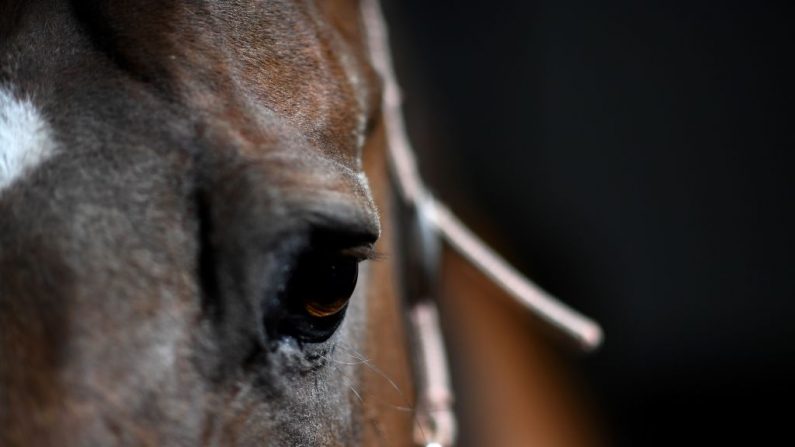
<point x="323" y="286"/>
<point x="313" y="301"/>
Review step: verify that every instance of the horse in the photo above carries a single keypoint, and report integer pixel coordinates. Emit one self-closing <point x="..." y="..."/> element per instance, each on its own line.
<point x="194" y="199"/>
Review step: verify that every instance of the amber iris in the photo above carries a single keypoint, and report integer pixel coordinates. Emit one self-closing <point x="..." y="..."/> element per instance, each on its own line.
<point x="323" y="310"/>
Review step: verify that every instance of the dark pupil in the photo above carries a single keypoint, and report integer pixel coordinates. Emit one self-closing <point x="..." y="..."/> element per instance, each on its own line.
<point x="322" y="285"/>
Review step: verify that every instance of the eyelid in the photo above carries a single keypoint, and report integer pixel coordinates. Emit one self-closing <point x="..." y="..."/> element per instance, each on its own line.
<point x="361" y="253"/>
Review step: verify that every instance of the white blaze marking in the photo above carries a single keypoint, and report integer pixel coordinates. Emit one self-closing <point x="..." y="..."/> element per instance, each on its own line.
<point x="25" y="138"/>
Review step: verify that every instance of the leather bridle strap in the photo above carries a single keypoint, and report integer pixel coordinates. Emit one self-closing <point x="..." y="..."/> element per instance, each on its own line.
<point x="429" y="219"/>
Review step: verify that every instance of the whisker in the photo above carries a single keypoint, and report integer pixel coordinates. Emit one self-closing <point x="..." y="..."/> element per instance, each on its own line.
<point x="367" y="362"/>
<point x="338" y="362"/>
<point x="404" y="408"/>
<point x="350" y="385"/>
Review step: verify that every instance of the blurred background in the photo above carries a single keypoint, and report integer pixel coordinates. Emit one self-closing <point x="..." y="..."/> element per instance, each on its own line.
<point x="636" y="160"/>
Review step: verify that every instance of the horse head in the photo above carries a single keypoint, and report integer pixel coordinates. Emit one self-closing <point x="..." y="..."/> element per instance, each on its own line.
<point x="184" y="214"/>
<point x="191" y="197"/>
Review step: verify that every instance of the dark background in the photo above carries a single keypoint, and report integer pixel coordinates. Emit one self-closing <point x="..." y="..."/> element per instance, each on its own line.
<point x="635" y="159"/>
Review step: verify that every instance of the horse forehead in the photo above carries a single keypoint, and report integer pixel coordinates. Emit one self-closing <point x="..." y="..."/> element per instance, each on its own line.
<point x="246" y="64"/>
